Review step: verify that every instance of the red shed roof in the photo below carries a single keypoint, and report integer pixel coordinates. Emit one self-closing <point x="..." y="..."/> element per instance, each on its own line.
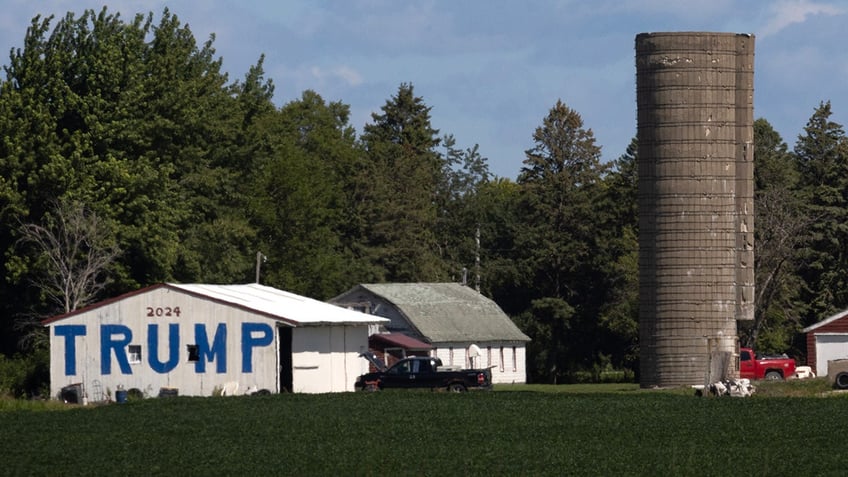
<point x="826" y="321"/>
<point x="400" y="340"/>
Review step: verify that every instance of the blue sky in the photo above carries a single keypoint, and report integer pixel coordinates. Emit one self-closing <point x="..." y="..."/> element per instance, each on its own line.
<point x="492" y="69"/>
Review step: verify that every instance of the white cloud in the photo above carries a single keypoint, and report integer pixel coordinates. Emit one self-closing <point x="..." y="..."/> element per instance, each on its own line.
<point x="349" y="75"/>
<point x="319" y="78"/>
<point x="788" y="12"/>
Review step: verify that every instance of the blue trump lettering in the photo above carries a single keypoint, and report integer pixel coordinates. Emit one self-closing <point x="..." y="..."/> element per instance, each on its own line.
<point x="109" y="343"/>
<point x="218" y="348"/>
<point x="70" y="332"/>
<point x="115" y="339"/>
<point x="173" y="348"/>
<point x="248" y="342"/>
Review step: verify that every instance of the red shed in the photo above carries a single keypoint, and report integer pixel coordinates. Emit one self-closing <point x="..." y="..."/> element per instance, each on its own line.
<point x="827" y="340"/>
<point x="392" y="347"/>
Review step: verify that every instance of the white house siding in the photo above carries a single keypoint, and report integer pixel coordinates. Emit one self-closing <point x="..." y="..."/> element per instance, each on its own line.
<point x="512" y="369"/>
<point x="326" y="359"/>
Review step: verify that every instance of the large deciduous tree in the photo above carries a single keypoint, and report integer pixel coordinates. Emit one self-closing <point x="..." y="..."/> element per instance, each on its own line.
<point x="72" y="251"/>
<point x="299" y="197"/>
<point x="134" y="120"/>
<point x="76" y="248"/>
<point x="464" y="173"/>
<point x="779" y="233"/>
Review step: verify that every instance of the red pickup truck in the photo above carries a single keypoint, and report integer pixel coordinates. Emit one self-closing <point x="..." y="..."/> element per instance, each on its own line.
<point x="752" y="366"/>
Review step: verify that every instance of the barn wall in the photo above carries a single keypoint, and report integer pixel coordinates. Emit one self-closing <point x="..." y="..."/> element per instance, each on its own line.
<point x="326" y="358"/>
<point x="94" y="346"/>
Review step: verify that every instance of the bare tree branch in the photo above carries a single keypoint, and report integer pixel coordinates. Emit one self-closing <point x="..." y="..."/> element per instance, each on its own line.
<point x="781" y="232"/>
<point x="78" y="247"/>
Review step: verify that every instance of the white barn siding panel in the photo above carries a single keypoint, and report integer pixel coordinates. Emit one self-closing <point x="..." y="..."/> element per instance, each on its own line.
<point x="241" y="345"/>
<point x="326" y="359"/>
<point x="347" y="364"/>
<point x="127" y="323"/>
<point x="308" y="346"/>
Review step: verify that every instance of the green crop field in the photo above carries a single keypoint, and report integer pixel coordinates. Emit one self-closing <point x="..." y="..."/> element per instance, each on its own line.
<point x="612" y="430"/>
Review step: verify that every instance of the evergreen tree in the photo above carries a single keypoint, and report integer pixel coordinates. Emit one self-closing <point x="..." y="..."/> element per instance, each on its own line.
<point x="560" y="184"/>
<point x="822" y="155"/>
<point x="618" y="262"/>
<point x="396" y="192"/>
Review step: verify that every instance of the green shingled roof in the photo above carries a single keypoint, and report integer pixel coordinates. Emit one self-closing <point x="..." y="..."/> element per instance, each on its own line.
<point x="449" y="311"/>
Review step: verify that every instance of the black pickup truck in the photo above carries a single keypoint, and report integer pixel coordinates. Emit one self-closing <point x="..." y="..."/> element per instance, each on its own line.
<point x="422" y="372"/>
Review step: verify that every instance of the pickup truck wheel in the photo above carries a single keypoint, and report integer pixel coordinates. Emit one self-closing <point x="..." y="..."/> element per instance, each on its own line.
<point x="456" y="388"/>
<point x="841" y="381"/>
<point x="773" y="376"/>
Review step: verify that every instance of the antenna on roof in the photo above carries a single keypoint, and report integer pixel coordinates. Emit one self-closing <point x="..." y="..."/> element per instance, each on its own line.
<point x="260" y="259"/>
<point x="477" y="260"/>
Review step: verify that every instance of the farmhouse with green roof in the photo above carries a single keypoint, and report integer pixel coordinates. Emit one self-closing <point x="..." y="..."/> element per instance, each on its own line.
<point x="464" y="328"/>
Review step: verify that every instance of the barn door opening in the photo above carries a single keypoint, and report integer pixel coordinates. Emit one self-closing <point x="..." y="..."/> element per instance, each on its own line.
<point x="285" y="333"/>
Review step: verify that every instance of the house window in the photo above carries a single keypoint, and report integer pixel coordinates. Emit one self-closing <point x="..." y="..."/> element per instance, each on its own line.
<point x="192" y="352"/>
<point x="135" y="354"/>
<point x="488" y="356"/>
<point x="450" y="356"/>
<point x="514" y="360"/>
<point x="501" y="364"/>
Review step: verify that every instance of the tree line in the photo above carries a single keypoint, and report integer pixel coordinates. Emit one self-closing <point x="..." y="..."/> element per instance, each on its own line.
<point x="129" y="158"/>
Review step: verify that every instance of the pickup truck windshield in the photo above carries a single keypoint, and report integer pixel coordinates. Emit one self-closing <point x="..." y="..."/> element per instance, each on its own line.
<point x="413" y="366"/>
<point x="404" y="367"/>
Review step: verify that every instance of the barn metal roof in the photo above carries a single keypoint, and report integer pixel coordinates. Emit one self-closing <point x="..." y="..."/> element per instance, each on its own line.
<point x="280" y="304"/>
<point x="274" y="303"/>
<point x="445" y="312"/>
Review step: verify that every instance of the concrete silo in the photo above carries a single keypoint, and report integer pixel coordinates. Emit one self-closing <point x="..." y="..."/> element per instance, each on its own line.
<point x="696" y="217"/>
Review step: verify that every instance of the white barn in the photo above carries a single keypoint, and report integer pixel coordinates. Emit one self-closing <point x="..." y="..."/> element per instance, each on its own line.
<point x="198" y="340"/>
<point x="463" y="327"/>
